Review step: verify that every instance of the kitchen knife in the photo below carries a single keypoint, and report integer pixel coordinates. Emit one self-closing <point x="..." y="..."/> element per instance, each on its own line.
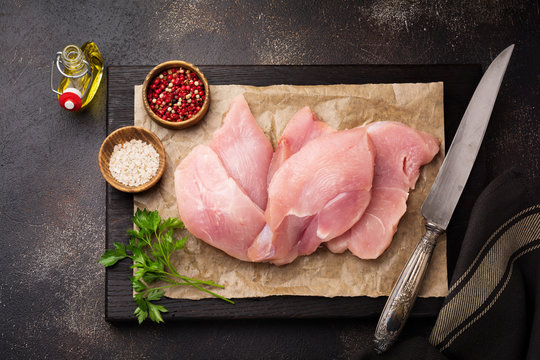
<point x="442" y="199"/>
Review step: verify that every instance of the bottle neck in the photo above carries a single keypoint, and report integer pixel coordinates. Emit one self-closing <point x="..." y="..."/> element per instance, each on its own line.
<point x="72" y="58"/>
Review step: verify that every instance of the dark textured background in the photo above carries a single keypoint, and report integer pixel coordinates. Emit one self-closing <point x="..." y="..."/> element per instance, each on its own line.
<point x="52" y="206"/>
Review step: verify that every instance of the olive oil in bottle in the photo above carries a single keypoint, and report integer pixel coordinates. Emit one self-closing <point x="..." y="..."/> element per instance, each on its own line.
<point x="82" y="69"/>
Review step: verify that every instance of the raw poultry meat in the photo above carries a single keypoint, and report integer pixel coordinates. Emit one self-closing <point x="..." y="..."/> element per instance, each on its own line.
<point x="244" y="150"/>
<point x="303" y="127"/>
<point x="347" y="189"/>
<point x="212" y="205"/>
<point x="324" y="186"/>
<point x="400" y="152"/>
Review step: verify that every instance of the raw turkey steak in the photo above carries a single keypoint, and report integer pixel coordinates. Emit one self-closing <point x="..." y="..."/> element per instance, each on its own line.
<point x="320" y="187"/>
<point x="244" y="150"/>
<point x="212" y="205"/>
<point x="303" y="127"/>
<point x="400" y="152"/>
<point x="347" y="189"/>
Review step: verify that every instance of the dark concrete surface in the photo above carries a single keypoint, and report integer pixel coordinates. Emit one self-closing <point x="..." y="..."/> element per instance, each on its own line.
<point x="52" y="206"/>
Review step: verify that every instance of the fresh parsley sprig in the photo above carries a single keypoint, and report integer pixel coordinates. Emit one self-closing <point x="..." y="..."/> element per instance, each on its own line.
<point x="150" y="248"/>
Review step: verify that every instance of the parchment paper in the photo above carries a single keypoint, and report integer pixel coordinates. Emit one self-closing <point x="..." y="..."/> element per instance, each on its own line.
<point x="322" y="273"/>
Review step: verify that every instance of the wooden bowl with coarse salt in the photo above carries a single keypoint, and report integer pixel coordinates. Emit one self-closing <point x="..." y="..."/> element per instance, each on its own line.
<point x="132" y="159"/>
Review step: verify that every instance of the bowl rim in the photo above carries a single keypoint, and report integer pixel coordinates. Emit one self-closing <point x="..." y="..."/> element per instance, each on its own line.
<point x="168" y="65"/>
<point x="110" y="179"/>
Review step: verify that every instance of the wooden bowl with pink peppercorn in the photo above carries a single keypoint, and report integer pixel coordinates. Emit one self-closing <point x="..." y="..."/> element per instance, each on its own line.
<point x="176" y="94"/>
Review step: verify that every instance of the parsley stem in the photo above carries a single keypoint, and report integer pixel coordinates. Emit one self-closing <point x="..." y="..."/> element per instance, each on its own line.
<point x="188" y="279"/>
<point x="201" y="282"/>
<point x="176" y="283"/>
<point x="210" y="292"/>
<point x="151" y="249"/>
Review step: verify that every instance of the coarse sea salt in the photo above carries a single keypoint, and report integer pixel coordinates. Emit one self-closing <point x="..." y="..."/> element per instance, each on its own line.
<point x="134" y="163"/>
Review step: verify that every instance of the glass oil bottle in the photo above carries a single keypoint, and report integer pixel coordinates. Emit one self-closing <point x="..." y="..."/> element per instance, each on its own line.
<point x="81" y="70"/>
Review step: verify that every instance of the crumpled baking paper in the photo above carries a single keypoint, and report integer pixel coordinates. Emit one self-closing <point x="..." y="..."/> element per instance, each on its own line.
<point x="322" y="273"/>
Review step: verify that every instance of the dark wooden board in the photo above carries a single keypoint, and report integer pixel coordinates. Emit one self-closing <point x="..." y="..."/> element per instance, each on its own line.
<point x="459" y="84"/>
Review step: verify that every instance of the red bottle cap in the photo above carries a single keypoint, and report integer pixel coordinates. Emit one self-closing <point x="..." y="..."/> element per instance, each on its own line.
<point x="70" y="99"/>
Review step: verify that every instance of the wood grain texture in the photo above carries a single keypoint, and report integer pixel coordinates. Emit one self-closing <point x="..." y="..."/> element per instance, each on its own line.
<point x="459" y="84"/>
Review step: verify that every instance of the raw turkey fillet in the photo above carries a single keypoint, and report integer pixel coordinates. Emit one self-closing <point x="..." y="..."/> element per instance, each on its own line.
<point x="303" y="127"/>
<point x="244" y="150"/>
<point x="347" y="189"/>
<point x="400" y="152"/>
<point x="325" y="187"/>
<point x="212" y="205"/>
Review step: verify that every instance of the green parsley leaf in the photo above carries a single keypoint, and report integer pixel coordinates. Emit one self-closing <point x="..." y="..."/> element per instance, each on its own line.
<point x="111" y="257"/>
<point x="167" y="242"/>
<point x="155" y="312"/>
<point x="141" y="301"/>
<point x="151" y="248"/>
<point x="150" y="277"/>
<point x="179" y="244"/>
<point x="133" y="233"/>
<point x="155" y="266"/>
<point x="145" y="219"/>
<point x="171" y="223"/>
<point x="138" y="286"/>
<point x="139" y="257"/>
<point x="141" y="314"/>
<point x="155" y="295"/>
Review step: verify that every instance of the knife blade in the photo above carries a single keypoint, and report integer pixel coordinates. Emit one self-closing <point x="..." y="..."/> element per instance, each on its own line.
<point x="442" y="200"/>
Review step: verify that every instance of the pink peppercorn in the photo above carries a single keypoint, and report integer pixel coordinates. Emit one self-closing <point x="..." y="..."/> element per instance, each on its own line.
<point x="179" y="90"/>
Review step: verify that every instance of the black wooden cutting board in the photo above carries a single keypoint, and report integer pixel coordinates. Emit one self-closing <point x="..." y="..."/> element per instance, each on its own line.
<point x="459" y="84"/>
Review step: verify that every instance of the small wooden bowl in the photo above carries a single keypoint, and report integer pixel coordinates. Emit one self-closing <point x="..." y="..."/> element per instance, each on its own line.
<point x="124" y="135"/>
<point x="182" y="124"/>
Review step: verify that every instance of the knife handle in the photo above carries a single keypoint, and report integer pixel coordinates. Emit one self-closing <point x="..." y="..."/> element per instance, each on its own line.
<point x="401" y="300"/>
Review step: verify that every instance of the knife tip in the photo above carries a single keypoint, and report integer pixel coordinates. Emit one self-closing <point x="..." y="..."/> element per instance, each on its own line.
<point x="504" y="57"/>
<point x="509" y="49"/>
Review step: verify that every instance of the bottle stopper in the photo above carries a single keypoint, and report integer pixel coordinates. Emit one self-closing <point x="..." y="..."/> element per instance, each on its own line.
<point x="70" y="99"/>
